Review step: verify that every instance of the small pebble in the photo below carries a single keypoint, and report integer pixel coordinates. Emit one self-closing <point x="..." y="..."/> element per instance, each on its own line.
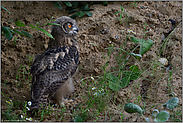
<point x="143" y="7"/>
<point x="163" y="61"/>
<point x="162" y="36"/>
<point x="105" y="31"/>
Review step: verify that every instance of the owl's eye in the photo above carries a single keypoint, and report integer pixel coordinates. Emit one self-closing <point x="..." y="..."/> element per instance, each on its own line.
<point x="69" y="25"/>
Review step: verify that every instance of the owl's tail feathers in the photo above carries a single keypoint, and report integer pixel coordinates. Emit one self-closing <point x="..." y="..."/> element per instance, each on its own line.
<point x="39" y="104"/>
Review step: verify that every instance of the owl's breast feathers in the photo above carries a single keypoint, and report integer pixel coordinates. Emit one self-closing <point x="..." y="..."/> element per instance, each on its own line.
<point x="53" y="68"/>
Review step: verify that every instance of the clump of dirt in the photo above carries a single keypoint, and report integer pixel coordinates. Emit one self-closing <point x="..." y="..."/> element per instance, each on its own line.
<point x="102" y="29"/>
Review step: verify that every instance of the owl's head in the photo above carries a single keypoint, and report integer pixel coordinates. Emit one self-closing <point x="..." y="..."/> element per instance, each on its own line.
<point x="68" y="27"/>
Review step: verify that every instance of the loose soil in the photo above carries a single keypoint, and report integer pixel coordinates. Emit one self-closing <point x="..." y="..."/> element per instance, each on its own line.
<point x="102" y="29"/>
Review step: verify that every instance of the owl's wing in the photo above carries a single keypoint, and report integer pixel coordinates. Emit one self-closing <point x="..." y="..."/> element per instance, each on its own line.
<point x="52" y="68"/>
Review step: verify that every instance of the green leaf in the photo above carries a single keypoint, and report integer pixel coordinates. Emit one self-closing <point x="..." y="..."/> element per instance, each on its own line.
<point x="27" y="34"/>
<point x="7" y="32"/>
<point x="125" y="81"/>
<point x="135" y="40"/>
<point x="52" y="18"/>
<point x="133" y="108"/>
<point x="145" y="46"/>
<point x="155" y="113"/>
<point x="58" y="5"/>
<point x="5" y="9"/>
<point x="78" y="118"/>
<point x="134" y="68"/>
<point x="163" y="116"/>
<point x="2" y="93"/>
<point x="137" y="56"/>
<point x="121" y="8"/>
<point x="37" y="24"/>
<point x="68" y="4"/>
<point x="75" y="4"/>
<point x="19" y="23"/>
<point x="45" y="32"/>
<point x="11" y="31"/>
<point x="88" y="13"/>
<point x="93" y="44"/>
<point x="53" y="24"/>
<point x="72" y="11"/>
<point x="80" y="13"/>
<point x="17" y="31"/>
<point x="32" y="26"/>
<point x="105" y="3"/>
<point x="133" y="74"/>
<point x="73" y="16"/>
<point x="85" y="7"/>
<point x="117" y="12"/>
<point x="114" y="82"/>
<point x="172" y="103"/>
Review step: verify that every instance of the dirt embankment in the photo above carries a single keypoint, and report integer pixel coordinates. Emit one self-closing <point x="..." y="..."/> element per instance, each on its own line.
<point x="102" y="29"/>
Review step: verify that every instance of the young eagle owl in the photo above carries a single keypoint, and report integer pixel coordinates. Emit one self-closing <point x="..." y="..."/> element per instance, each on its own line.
<point x="53" y="69"/>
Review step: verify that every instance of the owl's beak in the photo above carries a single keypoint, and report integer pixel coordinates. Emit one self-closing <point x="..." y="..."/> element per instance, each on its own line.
<point x="75" y="29"/>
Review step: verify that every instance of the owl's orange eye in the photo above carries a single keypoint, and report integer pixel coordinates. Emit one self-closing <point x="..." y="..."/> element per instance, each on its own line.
<point x="69" y="25"/>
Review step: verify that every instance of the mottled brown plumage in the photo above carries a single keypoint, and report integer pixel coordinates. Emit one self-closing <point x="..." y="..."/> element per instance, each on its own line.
<point x="53" y="69"/>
